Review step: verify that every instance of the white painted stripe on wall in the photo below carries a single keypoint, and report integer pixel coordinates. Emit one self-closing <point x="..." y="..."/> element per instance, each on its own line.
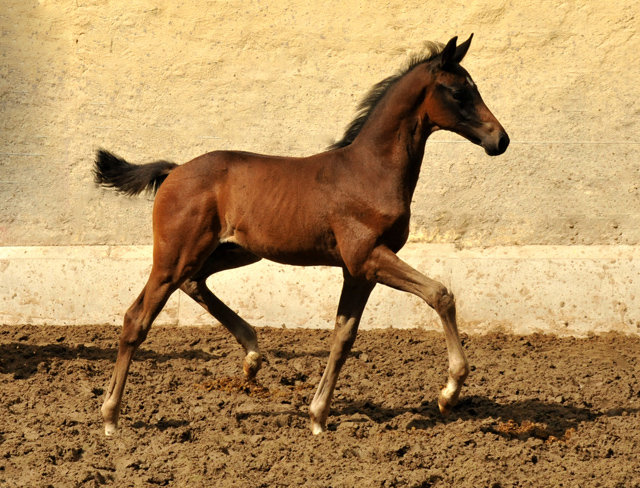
<point x="567" y="290"/>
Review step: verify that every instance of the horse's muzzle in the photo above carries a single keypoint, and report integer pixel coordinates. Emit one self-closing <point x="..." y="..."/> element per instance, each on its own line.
<point x="498" y="147"/>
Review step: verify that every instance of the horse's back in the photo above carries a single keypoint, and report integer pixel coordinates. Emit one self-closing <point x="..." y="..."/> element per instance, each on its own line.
<point x="272" y="206"/>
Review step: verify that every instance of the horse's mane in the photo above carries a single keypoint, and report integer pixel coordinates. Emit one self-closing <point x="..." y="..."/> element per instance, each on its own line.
<point x="380" y="89"/>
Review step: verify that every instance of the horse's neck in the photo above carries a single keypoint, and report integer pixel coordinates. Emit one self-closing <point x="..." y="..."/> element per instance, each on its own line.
<point x="395" y="137"/>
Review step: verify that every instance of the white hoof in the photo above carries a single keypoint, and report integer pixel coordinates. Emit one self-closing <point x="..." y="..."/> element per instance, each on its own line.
<point x="317" y="428"/>
<point x="110" y="429"/>
<point x="252" y="364"/>
<point x="448" y="399"/>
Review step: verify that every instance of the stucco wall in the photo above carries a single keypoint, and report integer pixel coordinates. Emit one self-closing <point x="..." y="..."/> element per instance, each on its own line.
<point x="151" y="80"/>
<point x="565" y="290"/>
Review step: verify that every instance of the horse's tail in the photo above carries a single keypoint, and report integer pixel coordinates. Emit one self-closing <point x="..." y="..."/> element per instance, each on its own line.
<point x="131" y="179"/>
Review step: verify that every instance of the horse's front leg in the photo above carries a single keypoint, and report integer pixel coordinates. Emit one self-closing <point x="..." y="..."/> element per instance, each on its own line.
<point x="353" y="299"/>
<point x="385" y="267"/>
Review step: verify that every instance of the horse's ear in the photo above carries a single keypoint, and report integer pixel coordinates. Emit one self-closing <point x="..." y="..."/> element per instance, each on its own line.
<point x="449" y="51"/>
<point x="462" y="49"/>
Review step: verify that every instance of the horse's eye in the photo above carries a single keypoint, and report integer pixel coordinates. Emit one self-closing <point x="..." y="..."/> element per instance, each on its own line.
<point x="461" y="97"/>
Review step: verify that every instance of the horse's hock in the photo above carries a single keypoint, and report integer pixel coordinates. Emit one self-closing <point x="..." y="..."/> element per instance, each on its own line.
<point x="544" y="238"/>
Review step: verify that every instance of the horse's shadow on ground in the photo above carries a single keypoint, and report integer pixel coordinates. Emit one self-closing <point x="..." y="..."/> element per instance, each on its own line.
<point x="22" y="359"/>
<point x="513" y="420"/>
<point x="520" y="420"/>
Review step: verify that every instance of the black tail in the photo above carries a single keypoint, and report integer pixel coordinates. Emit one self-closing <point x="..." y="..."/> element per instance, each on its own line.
<point x="131" y="179"/>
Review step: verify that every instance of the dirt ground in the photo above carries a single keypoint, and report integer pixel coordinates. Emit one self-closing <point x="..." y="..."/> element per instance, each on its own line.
<point x="536" y="411"/>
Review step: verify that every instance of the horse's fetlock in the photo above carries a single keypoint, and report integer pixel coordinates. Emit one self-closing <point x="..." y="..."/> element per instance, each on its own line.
<point x="318" y="416"/>
<point x="460" y="372"/>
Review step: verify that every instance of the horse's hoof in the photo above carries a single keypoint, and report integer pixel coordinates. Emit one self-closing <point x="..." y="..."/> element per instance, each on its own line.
<point x="316" y="428"/>
<point x="444" y="404"/>
<point x="110" y="429"/>
<point x="252" y="364"/>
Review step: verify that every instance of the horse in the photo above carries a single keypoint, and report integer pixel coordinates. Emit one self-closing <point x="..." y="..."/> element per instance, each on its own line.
<point x="347" y="207"/>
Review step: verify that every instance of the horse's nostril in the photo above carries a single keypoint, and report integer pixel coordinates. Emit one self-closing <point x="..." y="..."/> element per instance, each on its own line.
<point x="503" y="143"/>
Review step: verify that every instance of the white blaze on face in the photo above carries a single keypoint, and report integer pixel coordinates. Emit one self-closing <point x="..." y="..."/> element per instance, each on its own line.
<point x="470" y="81"/>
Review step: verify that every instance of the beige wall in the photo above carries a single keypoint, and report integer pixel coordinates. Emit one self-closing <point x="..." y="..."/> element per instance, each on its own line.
<point x="152" y="80"/>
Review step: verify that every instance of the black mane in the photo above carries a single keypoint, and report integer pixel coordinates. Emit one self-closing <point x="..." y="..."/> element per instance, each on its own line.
<point x="379" y="90"/>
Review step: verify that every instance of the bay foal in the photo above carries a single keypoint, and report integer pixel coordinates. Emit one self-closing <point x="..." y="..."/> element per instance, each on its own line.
<point x="347" y="207"/>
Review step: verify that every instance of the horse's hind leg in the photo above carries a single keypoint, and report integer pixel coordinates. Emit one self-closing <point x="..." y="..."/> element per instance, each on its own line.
<point x="137" y="322"/>
<point x="353" y="299"/>
<point x="227" y="257"/>
<point x="174" y="260"/>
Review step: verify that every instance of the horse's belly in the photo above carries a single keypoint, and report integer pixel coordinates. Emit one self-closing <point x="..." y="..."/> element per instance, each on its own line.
<point x="300" y="249"/>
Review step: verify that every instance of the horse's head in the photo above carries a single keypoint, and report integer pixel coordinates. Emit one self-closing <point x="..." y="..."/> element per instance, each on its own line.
<point x="455" y="104"/>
